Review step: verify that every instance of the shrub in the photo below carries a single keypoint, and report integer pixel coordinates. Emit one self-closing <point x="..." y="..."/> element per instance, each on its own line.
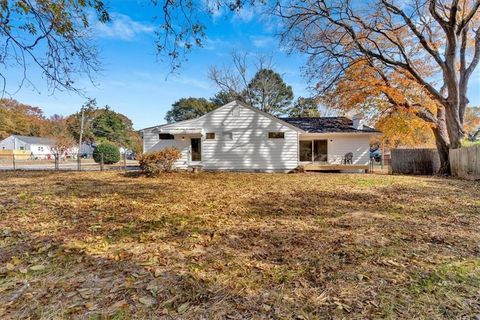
<point x="152" y="163"/>
<point x="110" y="152"/>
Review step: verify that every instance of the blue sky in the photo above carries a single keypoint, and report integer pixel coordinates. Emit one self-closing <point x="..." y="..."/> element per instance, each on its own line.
<point x="134" y="81"/>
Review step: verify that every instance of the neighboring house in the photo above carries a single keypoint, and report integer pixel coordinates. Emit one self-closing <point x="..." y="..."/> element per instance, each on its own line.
<point x="239" y="137"/>
<point x="37" y="147"/>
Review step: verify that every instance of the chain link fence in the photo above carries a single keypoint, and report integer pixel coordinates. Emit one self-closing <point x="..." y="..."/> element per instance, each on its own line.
<point x="382" y="166"/>
<point x="56" y="162"/>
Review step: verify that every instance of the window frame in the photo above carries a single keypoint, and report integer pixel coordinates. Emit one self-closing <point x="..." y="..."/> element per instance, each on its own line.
<point x="276" y="135"/>
<point x="170" y="136"/>
<point x="208" y="136"/>
<point x="228" y="134"/>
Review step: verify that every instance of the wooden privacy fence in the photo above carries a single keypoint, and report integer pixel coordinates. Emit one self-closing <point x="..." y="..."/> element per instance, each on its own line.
<point x="414" y="161"/>
<point x="18" y="154"/>
<point x="465" y="162"/>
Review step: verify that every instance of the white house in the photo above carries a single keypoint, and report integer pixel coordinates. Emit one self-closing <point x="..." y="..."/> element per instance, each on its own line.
<point x="239" y="137"/>
<point x="38" y="147"/>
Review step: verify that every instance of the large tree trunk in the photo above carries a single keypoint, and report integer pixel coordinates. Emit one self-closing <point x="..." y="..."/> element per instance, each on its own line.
<point x="443" y="142"/>
<point x="455" y="127"/>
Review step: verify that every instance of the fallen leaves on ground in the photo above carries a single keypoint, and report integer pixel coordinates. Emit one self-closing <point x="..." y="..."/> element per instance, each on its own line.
<point x="236" y="246"/>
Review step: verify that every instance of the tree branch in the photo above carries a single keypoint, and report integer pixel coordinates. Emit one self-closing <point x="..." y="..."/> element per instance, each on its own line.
<point x="381" y="57"/>
<point x="433" y="52"/>
<point x="468" y="17"/>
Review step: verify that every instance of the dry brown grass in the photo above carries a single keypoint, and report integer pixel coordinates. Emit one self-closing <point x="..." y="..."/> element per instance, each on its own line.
<point x="226" y="245"/>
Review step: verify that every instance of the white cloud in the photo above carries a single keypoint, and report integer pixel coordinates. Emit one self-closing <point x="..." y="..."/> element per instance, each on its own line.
<point x="157" y="80"/>
<point x="122" y="27"/>
<point x="214" y="9"/>
<point x="263" y="41"/>
<point x="192" y="82"/>
<point x="244" y="15"/>
<point x="214" y="43"/>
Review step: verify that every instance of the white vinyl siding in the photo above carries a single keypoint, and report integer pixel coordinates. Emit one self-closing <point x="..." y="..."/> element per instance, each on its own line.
<point x="11" y="143"/>
<point x="151" y="142"/>
<point x="249" y="148"/>
<point x="341" y="144"/>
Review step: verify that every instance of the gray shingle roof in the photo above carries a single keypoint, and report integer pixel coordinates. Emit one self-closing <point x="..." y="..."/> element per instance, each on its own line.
<point x="326" y="125"/>
<point x="35" y="140"/>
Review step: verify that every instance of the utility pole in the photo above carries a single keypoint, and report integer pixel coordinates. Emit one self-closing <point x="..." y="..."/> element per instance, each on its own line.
<point x="79" y="155"/>
<point x="13" y="153"/>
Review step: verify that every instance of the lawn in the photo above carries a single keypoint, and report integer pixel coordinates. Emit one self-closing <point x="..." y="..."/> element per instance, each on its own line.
<point x="236" y="246"/>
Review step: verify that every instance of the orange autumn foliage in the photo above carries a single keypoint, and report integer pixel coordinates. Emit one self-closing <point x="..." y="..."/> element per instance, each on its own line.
<point x="406" y="130"/>
<point x="383" y="100"/>
<point x="472" y="121"/>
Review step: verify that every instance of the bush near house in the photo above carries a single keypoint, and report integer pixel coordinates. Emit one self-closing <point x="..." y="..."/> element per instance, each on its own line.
<point x="153" y="163"/>
<point x="110" y="152"/>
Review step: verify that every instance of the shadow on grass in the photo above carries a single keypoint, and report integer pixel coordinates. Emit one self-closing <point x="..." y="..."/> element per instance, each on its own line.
<point x="175" y="248"/>
<point x="322" y="204"/>
<point x="72" y="283"/>
<point x="80" y="185"/>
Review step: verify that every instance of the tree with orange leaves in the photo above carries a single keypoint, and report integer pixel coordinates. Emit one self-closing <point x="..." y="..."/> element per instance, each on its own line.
<point x="430" y="46"/>
<point x="403" y="129"/>
<point x="472" y="123"/>
<point x="399" y="107"/>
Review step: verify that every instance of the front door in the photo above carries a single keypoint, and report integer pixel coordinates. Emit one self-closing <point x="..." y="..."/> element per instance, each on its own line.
<point x="196" y="145"/>
<point x="320" y="153"/>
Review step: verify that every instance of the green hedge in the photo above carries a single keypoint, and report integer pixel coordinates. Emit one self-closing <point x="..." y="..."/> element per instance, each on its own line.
<point x="110" y="152"/>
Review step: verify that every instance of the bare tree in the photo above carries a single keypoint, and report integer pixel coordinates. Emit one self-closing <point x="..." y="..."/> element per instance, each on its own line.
<point x="62" y="146"/>
<point x="263" y="88"/>
<point x="435" y="43"/>
<point x="234" y="79"/>
<point x="183" y="24"/>
<point x="270" y="93"/>
<point x="51" y="35"/>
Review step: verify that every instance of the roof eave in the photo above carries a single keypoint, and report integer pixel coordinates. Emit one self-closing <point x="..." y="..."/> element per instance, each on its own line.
<point x="351" y="132"/>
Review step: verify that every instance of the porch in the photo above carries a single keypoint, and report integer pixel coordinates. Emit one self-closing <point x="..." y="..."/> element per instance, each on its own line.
<point x="334" y="167"/>
<point x="334" y="152"/>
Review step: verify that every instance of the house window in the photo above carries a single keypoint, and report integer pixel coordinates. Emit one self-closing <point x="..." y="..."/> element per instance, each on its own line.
<point x="276" y="135"/>
<point x="227" y="136"/>
<point x="22" y="148"/>
<point x="210" y="135"/>
<point x="40" y="149"/>
<point x="166" y="136"/>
